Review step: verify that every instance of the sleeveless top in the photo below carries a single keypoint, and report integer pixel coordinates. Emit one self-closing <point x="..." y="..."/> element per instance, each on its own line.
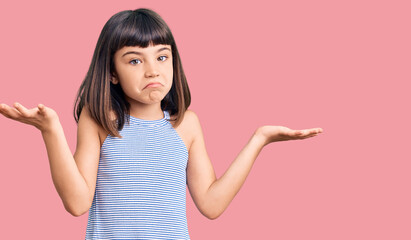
<point x="141" y="184"/>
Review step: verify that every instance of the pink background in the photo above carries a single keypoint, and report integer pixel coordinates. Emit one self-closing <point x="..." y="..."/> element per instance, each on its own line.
<point x="340" y="65"/>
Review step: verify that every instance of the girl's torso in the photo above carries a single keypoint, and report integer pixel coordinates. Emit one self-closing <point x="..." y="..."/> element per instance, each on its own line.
<point x="141" y="182"/>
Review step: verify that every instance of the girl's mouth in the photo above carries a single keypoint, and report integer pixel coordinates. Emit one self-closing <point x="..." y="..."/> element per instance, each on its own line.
<point x="153" y="84"/>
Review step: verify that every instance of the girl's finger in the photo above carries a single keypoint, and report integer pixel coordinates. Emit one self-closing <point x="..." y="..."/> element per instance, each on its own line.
<point x="318" y="130"/>
<point x="41" y="108"/>
<point x="305" y="132"/>
<point x="21" y="109"/>
<point x="305" y="137"/>
<point x="313" y="130"/>
<point x="10" y="112"/>
<point x="2" y="109"/>
<point x="299" y="132"/>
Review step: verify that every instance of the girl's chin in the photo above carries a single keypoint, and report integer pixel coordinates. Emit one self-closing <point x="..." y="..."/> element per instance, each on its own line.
<point x="151" y="98"/>
<point x="155" y="96"/>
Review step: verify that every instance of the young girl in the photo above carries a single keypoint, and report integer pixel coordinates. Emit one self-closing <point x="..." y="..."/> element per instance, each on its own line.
<point x="138" y="145"/>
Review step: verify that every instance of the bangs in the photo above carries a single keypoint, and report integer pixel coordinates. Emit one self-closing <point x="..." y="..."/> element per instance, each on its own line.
<point x="143" y="30"/>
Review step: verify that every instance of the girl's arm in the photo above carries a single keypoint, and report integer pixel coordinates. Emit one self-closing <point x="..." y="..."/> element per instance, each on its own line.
<point x="73" y="177"/>
<point x="212" y="195"/>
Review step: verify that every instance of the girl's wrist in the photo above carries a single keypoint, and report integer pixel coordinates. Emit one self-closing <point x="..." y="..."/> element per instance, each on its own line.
<point x="52" y="126"/>
<point x="260" y="138"/>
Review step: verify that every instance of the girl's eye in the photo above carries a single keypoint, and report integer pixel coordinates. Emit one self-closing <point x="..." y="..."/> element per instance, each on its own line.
<point x="135" y="61"/>
<point x="162" y="58"/>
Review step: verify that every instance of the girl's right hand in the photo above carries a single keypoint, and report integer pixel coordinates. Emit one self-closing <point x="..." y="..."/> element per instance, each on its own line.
<point x="42" y="117"/>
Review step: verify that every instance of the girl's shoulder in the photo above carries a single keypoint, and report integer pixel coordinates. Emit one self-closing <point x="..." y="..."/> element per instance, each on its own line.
<point x="189" y="127"/>
<point x="190" y="120"/>
<point x="92" y="124"/>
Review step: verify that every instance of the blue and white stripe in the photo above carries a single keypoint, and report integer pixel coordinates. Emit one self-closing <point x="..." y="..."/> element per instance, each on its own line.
<point x="141" y="184"/>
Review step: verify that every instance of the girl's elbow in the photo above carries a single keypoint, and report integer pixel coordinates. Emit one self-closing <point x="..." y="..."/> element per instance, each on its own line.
<point x="213" y="217"/>
<point x="76" y="211"/>
<point x="212" y="214"/>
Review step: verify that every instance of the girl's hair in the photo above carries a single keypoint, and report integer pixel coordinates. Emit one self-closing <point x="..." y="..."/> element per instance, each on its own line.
<point x="141" y="27"/>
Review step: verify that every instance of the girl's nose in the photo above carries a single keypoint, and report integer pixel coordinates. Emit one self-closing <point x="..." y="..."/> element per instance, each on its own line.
<point x="151" y="70"/>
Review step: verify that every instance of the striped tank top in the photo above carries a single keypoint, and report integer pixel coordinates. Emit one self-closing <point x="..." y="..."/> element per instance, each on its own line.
<point x="141" y="184"/>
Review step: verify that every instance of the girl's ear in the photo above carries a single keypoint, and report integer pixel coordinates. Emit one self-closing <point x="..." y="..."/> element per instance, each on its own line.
<point x="113" y="78"/>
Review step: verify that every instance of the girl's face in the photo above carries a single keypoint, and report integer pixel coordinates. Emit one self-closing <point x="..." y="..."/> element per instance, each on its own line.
<point x="145" y="74"/>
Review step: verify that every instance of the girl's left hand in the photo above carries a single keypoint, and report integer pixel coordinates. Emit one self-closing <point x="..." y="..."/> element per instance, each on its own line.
<point x="271" y="134"/>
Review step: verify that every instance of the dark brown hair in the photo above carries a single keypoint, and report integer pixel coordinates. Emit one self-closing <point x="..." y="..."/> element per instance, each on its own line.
<point x="141" y="27"/>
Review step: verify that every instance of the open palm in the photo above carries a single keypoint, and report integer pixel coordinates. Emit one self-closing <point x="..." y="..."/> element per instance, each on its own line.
<point x="41" y="117"/>
<point x="280" y="133"/>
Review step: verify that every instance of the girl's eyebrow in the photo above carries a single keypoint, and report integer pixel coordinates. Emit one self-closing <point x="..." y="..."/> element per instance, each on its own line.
<point x="139" y="53"/>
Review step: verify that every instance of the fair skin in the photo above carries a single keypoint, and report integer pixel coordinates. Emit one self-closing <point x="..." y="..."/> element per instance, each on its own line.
<point x="146" y="76"/>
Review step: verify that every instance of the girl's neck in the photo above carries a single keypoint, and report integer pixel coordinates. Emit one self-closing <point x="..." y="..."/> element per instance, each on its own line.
<point x="147" y="111"/>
